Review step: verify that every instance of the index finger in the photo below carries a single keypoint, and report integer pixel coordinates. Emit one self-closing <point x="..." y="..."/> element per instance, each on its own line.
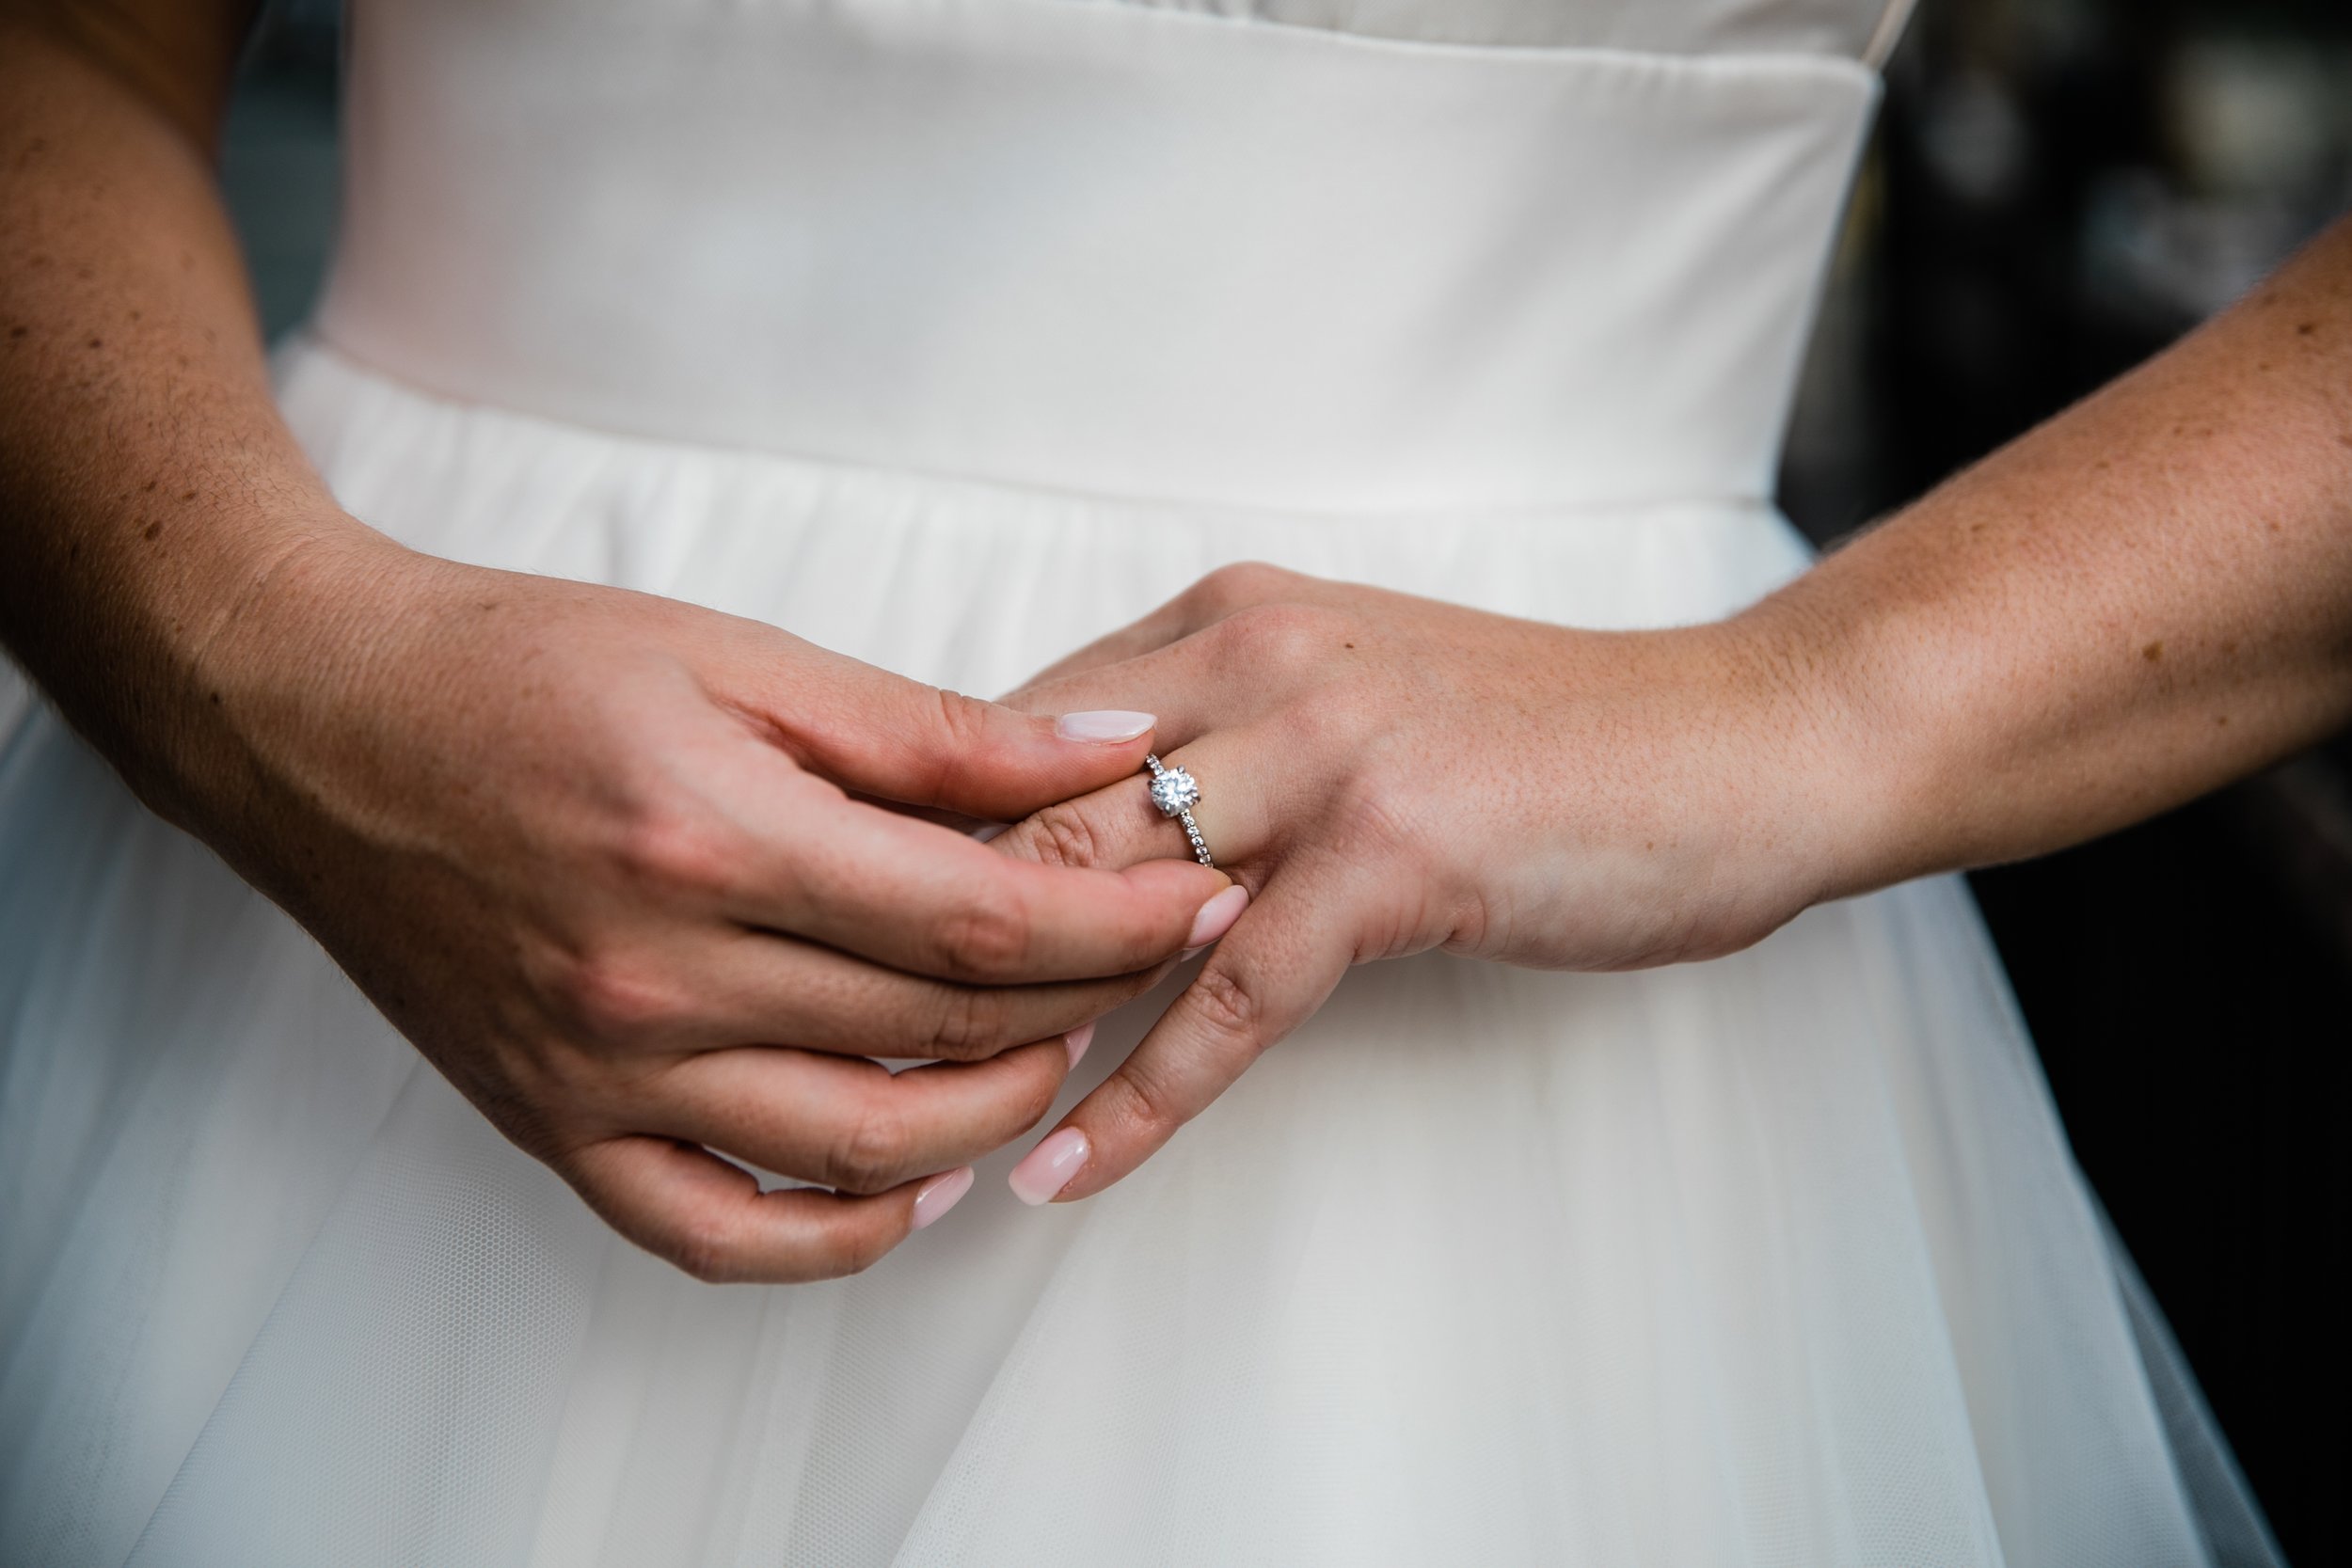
<point x="1266" y="979"/>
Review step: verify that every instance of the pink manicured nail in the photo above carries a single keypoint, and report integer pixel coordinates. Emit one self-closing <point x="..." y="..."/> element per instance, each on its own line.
<point x="1216" y="916"/>
<point x="1077" y="1042"/>
<point x="1048" y="1167"/>
<point x="1103" y="724"/>
<point x="942" y="1194"/>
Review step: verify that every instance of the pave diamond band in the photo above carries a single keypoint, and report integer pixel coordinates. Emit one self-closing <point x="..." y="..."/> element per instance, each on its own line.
<point x="1175" y="792"/>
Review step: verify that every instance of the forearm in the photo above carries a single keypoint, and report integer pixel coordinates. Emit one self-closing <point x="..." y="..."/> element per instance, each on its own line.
<point x="2140" y="600"/>
<point x="148" y="487"/>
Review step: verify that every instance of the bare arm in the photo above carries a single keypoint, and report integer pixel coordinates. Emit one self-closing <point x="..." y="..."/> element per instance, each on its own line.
<point x="147" y="484"/>
<point x="596" y="853"/>
<point x="2145" y="598"/>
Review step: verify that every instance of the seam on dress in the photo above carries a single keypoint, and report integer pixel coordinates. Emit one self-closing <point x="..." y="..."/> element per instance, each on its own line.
<point x="312" y="340"/>
<point x="1758" y="63"/>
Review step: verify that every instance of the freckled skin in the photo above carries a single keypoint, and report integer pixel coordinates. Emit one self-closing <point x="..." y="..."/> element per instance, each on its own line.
<point x="2146" y="596"/>
<point x="522" y="833"/>
<point x="2140" y="600"/>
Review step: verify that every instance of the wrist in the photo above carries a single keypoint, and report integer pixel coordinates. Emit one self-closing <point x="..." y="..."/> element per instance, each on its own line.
<point x="275" y="629"/>
<point x="1845" y="777"/>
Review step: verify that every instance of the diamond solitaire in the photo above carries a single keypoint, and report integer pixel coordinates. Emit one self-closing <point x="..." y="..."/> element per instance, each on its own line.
<point x="1174" y="792"/>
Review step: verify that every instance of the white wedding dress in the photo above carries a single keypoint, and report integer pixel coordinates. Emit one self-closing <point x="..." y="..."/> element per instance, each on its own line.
<point x="952" y="333"/>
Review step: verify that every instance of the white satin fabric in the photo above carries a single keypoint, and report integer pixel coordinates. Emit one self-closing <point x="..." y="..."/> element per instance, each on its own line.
<point x="952" y="333"/>
<point x="1089" y="247"/>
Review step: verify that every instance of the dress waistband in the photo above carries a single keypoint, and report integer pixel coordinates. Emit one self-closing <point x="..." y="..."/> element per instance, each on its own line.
<point x="1098" y="247"/>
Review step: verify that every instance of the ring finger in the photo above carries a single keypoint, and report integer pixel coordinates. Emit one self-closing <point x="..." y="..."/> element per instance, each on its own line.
<point x="1119" y="826"/>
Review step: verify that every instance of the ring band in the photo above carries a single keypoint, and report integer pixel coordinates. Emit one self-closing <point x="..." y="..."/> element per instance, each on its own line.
<point x="1175" y="792"/>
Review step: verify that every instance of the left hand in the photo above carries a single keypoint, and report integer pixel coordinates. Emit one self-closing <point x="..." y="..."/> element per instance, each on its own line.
<point x="1386" y="774"/>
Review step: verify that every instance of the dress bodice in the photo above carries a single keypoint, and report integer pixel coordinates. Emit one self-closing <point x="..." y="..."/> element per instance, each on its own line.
<point x="1324" y="255"/>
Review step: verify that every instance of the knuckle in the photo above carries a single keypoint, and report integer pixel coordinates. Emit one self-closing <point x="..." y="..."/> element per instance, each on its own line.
<point x="678" y="852"/>
<point x="1239" y="584"/>
<point x="1276" y="636"/>
<point x="1143" y="1106"/>
<point x="610" y="998"/>
<point x="969" y="1024"/>
<point x="963" y="721"/>
<point x="706" y="1245"/>
<point x="873" y="1151"/>
<point x="1224" y="1003"/>
<point x="958" y="736"/>
<point x="1062" y="836"/>
<point x="987" y="936"/>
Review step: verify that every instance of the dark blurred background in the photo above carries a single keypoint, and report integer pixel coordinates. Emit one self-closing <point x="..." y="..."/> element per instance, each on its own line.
<point x="2057" y="189"/>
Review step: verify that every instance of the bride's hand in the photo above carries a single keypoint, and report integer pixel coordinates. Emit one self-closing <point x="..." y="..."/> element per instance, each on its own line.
<point x="598" y="855"/>
<point x="1386" y="775"/>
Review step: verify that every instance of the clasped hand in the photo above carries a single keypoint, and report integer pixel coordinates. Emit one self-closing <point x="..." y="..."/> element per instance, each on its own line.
<point x="623" y="868"/>
<point x="614" y="865"/>
<point x="1388" y="775"/>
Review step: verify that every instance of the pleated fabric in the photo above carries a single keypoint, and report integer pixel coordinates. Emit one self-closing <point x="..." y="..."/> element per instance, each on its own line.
<point x="1779" y="1258"/>
<point x="885" y="321"/>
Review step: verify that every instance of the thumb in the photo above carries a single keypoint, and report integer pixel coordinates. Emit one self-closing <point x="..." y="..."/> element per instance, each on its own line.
<point x="881" y="735"/>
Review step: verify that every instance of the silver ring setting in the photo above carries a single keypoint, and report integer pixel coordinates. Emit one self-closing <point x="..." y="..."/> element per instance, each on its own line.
<point x="1176" y="792"/>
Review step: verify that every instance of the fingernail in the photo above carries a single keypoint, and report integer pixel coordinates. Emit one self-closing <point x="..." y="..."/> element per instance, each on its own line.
<point x="1047" y="1168"/>
<point x="1077" y="1042"/>
<point x="1216" y="916"/>
<point x="1103" y="724"/>
<point x="940" y="1195"/>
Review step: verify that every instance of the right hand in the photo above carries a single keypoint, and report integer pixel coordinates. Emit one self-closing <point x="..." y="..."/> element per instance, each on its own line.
<point x="602" y="857"/>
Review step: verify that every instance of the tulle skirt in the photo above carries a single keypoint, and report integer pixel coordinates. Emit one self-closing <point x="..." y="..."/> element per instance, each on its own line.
<point x="1777" y="1259"/>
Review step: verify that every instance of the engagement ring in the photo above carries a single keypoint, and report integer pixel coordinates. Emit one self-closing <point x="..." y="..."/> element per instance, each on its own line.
<point x="1174" y="791"/>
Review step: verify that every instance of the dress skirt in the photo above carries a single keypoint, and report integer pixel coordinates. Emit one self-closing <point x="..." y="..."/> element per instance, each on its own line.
<point x="1777" y="1258"/>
